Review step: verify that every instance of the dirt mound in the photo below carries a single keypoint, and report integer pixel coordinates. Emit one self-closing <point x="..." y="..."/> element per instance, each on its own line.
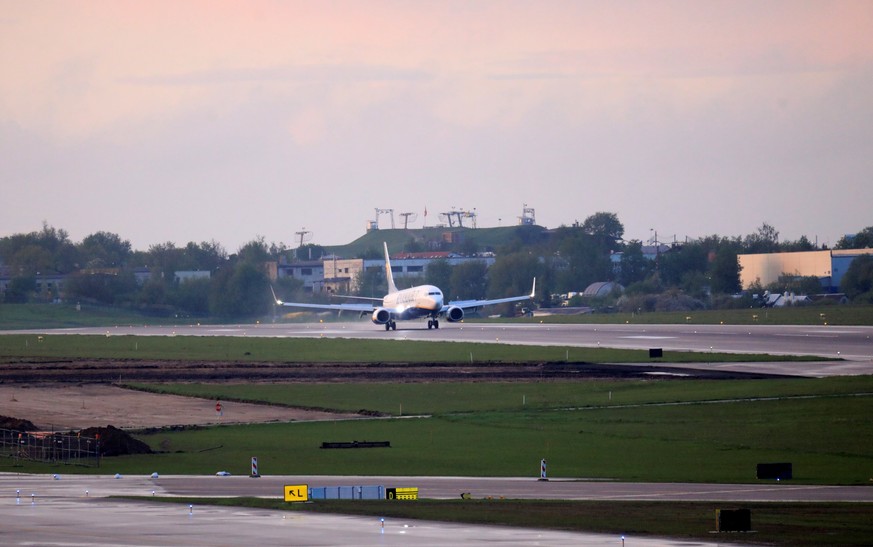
<point x="16" y="424"/>
<point x="115" y="442"/>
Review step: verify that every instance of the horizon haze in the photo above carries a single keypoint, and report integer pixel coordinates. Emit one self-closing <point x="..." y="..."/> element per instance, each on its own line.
<point x="198" y="121"/>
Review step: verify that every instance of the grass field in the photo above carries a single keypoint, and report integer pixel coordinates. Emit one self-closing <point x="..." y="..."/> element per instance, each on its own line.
<point x="674" y="431"/>
<point x="56" y="316"/>
<point x="330" y="350"/>
<point x="468" y="397"/>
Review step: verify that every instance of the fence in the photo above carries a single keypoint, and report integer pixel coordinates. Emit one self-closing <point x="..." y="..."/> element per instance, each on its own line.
<point x="65" y="448"/>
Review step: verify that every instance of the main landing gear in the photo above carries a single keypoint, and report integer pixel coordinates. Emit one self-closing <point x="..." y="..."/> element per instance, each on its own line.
<point x="391" y="325"/>
<point x="433" y="323"/>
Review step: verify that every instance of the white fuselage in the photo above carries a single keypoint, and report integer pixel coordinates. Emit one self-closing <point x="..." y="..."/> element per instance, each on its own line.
<point x="414" y="302"/>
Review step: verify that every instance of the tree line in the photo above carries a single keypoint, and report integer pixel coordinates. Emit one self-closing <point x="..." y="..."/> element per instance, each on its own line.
<point x="701" y="273"/>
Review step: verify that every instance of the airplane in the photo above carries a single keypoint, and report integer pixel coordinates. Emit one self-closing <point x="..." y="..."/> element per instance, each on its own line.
<point x="412" y="303"/>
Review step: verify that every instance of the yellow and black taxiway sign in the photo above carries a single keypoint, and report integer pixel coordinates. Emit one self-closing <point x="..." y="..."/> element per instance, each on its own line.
<point x="296" y="492"/>
<point x="401" y="493"/>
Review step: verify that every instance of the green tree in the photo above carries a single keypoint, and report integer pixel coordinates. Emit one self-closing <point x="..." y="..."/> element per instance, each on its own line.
<point x="191" y="296"/>
<point x="802" y="244"/>
<point x="20" y="290"/>
<point x="206" y="256"/>
<point x="164" y="259"/>
<point x="523" y="237"/>
<point x="634" y="266"/>
<point x="371" y="282"/>
<point x="255" y="251"/>
<point x="439" y="273"/>
<point x="31" y="260"/>
<point x="857" y="283"/>
<point x="861" y="240"/>
<point x="512" y="275"/>
<point x="676" y="263"/>
<point x="725" y="271"/>
<point x="588" y="261"/>
<point x="764" y="240"/>
<point x="605" y="228"/>
<point x="152" y="294"/>
<point x="649" y="285"/>
<point x="469" y="281"/>
<point x="695" y="284"/>
<point x="47" y="251"/>
<point x="240" y="292"/>
<point x="100" y="288"/>
<point x="290" y="289"/>
<point x="104" y="250"/>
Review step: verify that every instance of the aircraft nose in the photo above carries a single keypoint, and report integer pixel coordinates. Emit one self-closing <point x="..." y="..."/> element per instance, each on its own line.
<point x="437" y="302"/>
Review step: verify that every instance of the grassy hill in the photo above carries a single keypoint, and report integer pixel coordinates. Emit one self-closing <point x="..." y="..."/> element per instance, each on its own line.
<point x="397" y="239"/>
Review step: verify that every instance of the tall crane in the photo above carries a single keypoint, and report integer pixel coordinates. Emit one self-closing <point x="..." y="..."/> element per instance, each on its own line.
<point x="384" y="212"/>
<point x="458" y="216"/>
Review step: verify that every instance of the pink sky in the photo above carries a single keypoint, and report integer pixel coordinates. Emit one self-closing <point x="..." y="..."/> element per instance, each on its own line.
<point x="192" y="121"/>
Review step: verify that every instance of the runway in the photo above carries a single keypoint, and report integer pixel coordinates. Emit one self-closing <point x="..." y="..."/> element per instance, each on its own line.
<point x="271" y="486"/>
<point x="852" y="346"/>
<point x="61" y="513"/>
<point x="75" y="511"/>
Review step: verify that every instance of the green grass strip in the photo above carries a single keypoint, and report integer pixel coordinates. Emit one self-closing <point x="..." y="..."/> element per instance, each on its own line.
<point x="459" y="397"/>
<point x="252" y="348"/>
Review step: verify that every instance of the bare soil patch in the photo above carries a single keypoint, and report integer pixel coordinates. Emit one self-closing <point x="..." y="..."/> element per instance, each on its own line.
<point x="75" y="407"/>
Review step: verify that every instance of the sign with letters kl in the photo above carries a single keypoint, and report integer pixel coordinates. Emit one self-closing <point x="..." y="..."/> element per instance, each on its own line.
<point x="297" y="492"/>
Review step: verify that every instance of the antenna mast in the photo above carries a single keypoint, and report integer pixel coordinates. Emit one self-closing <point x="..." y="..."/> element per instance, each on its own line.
<point x="303" y="235"/>
<point x="407" y="218"/>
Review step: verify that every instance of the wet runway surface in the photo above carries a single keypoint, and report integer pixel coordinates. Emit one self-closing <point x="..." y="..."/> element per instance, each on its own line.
<point x="73" y="511"/>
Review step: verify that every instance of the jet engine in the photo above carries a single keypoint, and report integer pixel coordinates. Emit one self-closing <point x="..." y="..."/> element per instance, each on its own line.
<point x="454" y="314"/>
<point x="381" y="316"/>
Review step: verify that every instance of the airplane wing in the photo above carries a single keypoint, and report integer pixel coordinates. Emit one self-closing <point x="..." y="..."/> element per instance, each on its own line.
<point x="368" y="308"/>
<point x="350" y="297"/>
<point x="470" y="304"/>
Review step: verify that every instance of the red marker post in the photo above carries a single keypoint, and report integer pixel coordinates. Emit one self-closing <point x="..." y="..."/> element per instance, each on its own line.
<point x="543" y="470"/>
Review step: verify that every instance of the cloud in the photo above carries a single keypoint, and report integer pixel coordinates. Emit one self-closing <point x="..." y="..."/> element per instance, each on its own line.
<point x="334" y="74"/>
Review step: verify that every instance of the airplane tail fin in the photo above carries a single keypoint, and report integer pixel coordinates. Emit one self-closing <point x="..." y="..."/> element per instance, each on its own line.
<point x="392" y="288"/>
